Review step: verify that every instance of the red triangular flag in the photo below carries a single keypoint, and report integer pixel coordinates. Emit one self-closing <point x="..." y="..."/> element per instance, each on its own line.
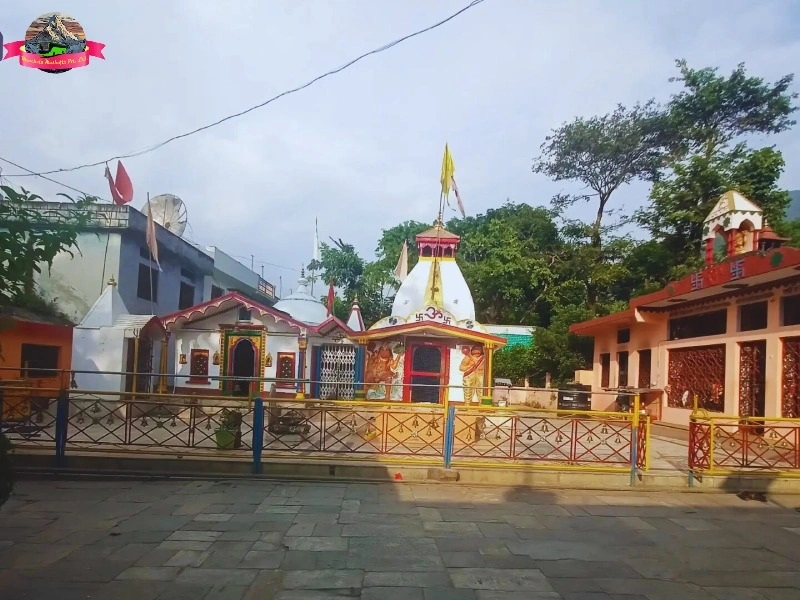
<point x="122" y="188"/>
<point x="331" y="298"/>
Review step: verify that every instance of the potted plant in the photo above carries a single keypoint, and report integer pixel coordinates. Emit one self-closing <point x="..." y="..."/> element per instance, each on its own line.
<point x="229" y="432"/>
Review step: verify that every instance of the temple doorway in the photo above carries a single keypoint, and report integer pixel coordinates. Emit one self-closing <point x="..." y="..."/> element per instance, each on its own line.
<point x="243" y="364"/>
<point x="426" y="373"/>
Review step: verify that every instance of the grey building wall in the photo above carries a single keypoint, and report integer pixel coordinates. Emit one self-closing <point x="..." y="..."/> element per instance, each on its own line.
<point x="112" y="248"/>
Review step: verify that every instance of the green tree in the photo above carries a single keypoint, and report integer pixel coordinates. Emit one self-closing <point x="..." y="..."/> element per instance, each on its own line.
<point x="507" y="258"/>
<point x="705" y="124"/>
<point x="30" y="239"/>
<point x="603" y="154"/>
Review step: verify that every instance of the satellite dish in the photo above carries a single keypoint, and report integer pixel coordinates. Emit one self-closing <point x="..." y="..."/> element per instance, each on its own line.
<point x="169" y="211"/>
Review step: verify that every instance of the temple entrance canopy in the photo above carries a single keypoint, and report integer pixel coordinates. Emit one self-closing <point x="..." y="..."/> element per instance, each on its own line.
<point x="431" y="349"/>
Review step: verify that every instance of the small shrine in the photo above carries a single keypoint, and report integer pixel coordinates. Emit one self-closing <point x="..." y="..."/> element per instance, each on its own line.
<point x="223" y="344"/>
<point x="430" y="349"/>
<point x="736" y="226"/>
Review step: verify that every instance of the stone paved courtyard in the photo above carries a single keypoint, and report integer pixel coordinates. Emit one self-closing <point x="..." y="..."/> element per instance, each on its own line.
<point x="263" y="540"/>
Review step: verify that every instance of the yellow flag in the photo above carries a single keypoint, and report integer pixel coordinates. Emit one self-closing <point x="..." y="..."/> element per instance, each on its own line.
<point x="448" y="169"/>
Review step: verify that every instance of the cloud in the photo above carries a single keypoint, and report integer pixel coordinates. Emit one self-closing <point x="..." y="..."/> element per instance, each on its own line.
<point x="360" y="150"/>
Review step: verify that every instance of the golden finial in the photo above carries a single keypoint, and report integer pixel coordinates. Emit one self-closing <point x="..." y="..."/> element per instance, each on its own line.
<point x="112" y="282"/>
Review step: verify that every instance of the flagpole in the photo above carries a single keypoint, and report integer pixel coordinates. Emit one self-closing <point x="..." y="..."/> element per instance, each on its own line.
<point x="150" y="266"/>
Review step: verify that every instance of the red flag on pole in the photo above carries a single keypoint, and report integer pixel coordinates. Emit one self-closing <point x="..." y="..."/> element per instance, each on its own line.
<point x="122" y="187"/>
<point x="331" y="298"/>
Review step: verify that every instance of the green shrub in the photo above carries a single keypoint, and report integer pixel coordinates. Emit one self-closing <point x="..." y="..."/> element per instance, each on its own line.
<point x="6" y="471"/>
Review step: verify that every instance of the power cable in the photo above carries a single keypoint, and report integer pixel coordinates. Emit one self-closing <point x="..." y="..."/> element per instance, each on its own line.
<point x="34" y="174"/>
<point x="257" y="106"/>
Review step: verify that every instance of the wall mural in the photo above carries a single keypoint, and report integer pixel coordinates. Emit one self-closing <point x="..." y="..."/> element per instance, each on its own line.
<point x="383" y="375"/>
<point x="473" y="365"/>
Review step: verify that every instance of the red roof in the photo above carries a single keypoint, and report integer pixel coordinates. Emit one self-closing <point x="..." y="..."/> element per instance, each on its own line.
<point x="231" y="299"/>
<point x="735" y="273"/>
<point x="226" y="302"/>
<point x="431" y="327"/>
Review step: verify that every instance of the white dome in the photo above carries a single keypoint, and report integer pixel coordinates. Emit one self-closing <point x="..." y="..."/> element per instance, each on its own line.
<point x="455" y="295"/>
<point x="302" y="306"/>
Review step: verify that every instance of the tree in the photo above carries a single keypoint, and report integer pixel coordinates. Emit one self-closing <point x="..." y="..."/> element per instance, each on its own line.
<point x="355" y="278"/>
<point x="604" y="153"/>
<point x="507" y="257"/>
<point x="29" y="239"/>
<point x="705" y="124"/>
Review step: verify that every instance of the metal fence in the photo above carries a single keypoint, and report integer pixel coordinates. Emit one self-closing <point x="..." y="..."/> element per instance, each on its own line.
<point x="67" y="420"/>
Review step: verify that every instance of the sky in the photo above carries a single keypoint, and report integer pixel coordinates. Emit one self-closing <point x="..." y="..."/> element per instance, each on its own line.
<point x="360" y="151"/>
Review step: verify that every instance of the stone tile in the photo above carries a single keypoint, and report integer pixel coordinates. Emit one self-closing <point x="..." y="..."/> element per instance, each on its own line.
<point x="195" y="536"/>
<point x="187" y="558"/>
<point x="215" y="518"/>
<point x="264" y="587"/>
<point x="301" y="529"/>
<point x="492" y="595"/>
<point x="223" y="559"/>
<point x="186" y="545"/>
<point x="586" y="569"/>
<point x="394" y="554"/>
<point x="385" y="530"/>
<point x="239" y="536"/>
<point x="436" y="593"/>
<point x="392" y="593"/>
<point x="727" y="593"/>
<point x="261" y="560"/>
<point x="384" y="579"/>
<point x="511" y="580"/>
<point x="323" y="579"/>
<point x="463" y="559"/>
<point x="429" y="514"/>
<point x="316" y="544"/>
<point x="695" y="524"/>
<point x="238" y="577"/>
<point x="327" y="530"/>
<point x="150" y="573"/>
<point x="156" y="558"/>
<point x="497" y="530"/>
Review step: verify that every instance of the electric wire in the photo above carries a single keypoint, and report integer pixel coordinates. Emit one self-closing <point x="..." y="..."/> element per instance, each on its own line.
<point x="262" y="104"/>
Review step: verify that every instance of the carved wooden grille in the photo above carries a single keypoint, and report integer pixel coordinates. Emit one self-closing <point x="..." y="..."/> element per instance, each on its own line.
<point x="751" y="379"/>
<point x="698" y="370"/>
<point x="790" y="404"/>
<point x="605" y="373"/>
<point x="645" y="365"/>
<point x="337" y="372"/>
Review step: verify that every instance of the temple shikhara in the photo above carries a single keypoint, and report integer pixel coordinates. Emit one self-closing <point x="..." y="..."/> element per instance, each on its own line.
<point x="431" y="348"/>
<point x="728" y="334"/>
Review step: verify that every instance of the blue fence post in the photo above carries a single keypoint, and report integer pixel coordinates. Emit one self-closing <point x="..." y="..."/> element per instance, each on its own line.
<point x="62" y="425"/>
<point x="449" y="435"/>
<point x="258" y="434"/>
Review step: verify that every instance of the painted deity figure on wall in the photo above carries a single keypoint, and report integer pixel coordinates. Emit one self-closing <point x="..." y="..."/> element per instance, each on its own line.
<point x="381" y="370"/>
<point x="473" y="366"/>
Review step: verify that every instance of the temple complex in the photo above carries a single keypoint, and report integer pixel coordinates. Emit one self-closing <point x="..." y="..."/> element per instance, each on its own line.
<point x="431" y="348"/>
<point x="728" y="334"/>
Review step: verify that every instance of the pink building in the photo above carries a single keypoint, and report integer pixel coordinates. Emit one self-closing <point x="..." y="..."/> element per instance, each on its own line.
<point x="729" y="333"/>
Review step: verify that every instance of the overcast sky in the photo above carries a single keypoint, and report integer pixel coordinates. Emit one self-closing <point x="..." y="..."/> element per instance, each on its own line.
<point x="360" y="150"/>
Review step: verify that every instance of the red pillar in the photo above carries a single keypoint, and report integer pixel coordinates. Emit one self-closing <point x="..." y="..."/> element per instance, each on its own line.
<point x="709" y="251"/>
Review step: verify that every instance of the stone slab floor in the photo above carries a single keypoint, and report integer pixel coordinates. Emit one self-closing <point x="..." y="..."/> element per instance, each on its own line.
<point x="264" y="540"/>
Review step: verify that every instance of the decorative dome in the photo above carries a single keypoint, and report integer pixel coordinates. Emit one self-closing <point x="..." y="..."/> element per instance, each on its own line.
<point x="302" y="306"/>
<point x="444" y="287"/>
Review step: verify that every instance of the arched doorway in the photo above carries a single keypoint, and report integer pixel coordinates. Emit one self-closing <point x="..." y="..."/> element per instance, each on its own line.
<point x="243" y="364"/>
<point x="427" y="370"/>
